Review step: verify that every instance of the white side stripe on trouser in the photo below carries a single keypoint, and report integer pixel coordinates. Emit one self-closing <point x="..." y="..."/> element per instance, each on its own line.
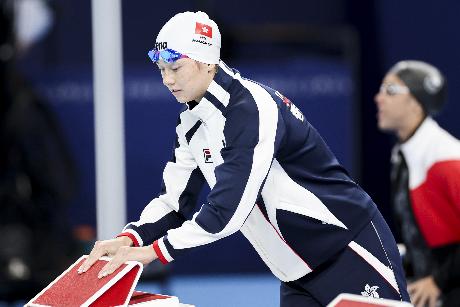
<point x="385" y="271"/>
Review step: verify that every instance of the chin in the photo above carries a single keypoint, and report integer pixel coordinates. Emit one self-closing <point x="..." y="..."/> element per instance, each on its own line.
<point x="385" y="128"/>
<point x="382" y="126"/>
<point x="181" y="100"/>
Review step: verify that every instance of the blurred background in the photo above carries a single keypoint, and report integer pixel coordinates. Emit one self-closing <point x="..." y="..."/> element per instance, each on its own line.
<point x="327" y="56"/>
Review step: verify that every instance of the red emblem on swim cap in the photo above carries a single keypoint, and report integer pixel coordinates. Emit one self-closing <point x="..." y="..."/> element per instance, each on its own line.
<point x="203" y="29"/>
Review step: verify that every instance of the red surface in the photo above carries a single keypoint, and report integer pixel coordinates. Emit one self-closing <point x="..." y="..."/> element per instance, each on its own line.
<point x="74" y="289"/>
<point x="141" y="297"/>
<point x="118" y="293"/>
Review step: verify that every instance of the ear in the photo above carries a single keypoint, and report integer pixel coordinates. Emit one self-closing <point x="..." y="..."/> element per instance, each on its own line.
<point x="211" y="68"/>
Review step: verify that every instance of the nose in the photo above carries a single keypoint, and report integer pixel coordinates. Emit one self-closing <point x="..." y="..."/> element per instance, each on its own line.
<point x="168" y="78"/>
<point x="378" y="98"/>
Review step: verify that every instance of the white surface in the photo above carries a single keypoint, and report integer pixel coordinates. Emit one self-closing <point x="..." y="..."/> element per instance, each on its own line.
<point x="108" y="113"/>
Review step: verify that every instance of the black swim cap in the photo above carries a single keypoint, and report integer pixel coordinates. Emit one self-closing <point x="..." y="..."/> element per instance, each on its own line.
<point x="425" y="83"/>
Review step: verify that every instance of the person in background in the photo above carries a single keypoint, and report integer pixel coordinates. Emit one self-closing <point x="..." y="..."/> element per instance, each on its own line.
<point x="272" y="177"/>
<point x="425" y="180"/>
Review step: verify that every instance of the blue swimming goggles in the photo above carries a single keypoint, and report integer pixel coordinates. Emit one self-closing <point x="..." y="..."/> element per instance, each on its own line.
<point x="167" y="55"/>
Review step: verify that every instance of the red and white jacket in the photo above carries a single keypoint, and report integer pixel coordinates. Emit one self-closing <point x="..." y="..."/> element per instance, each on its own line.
<point x="433" y="160"/>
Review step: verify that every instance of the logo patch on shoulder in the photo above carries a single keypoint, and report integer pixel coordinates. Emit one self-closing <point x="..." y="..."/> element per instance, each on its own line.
<point x="207" y="156"/>
<point x="294" y="110"/>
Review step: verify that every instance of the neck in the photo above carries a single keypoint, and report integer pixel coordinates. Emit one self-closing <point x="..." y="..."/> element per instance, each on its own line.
<point x="210" y="76"/>
<point x="409" y="130"/>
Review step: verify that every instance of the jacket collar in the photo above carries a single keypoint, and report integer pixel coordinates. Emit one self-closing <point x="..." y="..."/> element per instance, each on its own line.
<point x="420" y="138"/>
<point x="217" y="96"/>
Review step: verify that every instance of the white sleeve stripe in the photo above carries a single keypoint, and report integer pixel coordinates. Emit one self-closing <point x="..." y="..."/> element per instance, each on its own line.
<point x="263" y="153"/>
<point x="176" y="176"/>
<point x="218" y="91"/>
<point x="385" y="271"/>
<point x="227" y="70"/>
<point x="164" y="250"/>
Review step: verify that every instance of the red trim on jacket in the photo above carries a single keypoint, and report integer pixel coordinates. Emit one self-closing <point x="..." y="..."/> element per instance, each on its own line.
<point x="159" y="253"/>
<point x="131" y="236"/>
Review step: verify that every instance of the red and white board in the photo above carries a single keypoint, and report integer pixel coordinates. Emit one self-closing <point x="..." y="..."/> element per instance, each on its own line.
<point x="73" y="289"/>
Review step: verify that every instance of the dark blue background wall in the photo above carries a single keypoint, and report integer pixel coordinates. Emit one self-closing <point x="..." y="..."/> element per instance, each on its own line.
<point x="382" y="32"/>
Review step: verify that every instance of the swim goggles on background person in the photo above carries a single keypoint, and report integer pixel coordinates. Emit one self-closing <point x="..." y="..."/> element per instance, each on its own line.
<point x="167" y="55"/>
<point x="392" y="89"/>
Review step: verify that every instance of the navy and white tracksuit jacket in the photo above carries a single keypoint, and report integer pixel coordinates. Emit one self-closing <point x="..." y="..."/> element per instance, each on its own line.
<point x="271" y="175"/>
